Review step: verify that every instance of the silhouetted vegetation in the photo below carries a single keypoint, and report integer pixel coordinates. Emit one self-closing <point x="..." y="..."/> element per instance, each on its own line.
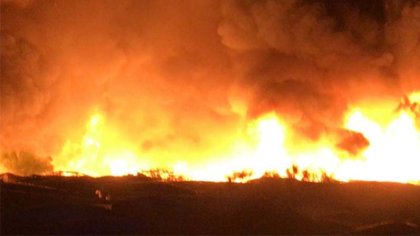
<point x="271" y="175"/>
<point x="163" y="175"/>
<point x="240" y="176"/>
<point x="308" y="176"/>
<point x="292" y="172"/>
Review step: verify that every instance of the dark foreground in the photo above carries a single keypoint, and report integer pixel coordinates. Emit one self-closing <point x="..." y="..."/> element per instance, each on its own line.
<point x="137" y="205"/>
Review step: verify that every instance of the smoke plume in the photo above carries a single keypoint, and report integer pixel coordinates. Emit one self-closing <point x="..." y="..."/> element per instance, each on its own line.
<point x="25" y="163"/>
<point x="174" y="77"/>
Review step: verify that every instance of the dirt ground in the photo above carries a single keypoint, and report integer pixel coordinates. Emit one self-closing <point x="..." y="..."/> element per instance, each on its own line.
<point x="138" y="205"/>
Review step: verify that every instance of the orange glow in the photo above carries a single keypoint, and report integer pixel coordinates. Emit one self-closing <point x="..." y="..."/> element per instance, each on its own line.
<point x="100" y="152"/>
<point x="394" y="150"/>
<point x="393" y="153"/>
<point x="415" y="97"/>
<point x="211" y="90"/>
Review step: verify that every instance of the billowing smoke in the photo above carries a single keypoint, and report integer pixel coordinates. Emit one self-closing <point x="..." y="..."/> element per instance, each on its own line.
<point x="156" y="69"/>
<point x="25" y="163"/>
<point x="169" y="75"/>
<point x="310" y="59"/>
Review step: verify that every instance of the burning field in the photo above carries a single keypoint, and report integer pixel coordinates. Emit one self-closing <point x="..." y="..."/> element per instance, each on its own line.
<point x="212" y="90"/>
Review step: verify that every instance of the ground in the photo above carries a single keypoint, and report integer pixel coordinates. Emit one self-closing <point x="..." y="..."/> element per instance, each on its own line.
<point x="138" y="205"/>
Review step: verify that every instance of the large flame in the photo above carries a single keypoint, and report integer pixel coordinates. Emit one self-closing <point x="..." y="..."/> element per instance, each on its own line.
<point x="394" y="150"/>
<point x="267" y="146"/>
<point x="99" y="152"/>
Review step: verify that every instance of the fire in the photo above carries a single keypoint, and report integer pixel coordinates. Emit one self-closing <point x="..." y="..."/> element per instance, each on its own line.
<point x="394" y="150"/>
<point x="100" y="152"/>
<point x="122" y="167"/>
<point x="267" y="146"/>
<point x="270" y="154"/>
<point x="223" y="95"/>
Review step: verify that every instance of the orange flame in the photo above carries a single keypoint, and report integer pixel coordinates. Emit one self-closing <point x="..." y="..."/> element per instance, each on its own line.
<point x="100" y="152"/>
<point x="393" y="153"/>
<point x="394" y="150"/>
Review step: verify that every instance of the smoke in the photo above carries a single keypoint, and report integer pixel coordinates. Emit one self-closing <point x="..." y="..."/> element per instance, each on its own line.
<point x="156" y="70"/>
<point x="170" y="76"/>
<point x="310" y="60"/>
<point x="17" y="3"/>
<point x="25" y="163"/>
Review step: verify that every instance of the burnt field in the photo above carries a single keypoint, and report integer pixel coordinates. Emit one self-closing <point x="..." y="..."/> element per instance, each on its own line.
<point x="138" y="205"/>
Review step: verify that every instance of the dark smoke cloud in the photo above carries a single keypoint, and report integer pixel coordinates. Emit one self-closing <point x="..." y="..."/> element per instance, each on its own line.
<point x="167" y="73"/>
<point x="310" y="59"/>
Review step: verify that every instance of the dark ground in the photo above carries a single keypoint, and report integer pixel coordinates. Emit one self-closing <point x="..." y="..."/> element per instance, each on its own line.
<point x="63" y="205"/>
